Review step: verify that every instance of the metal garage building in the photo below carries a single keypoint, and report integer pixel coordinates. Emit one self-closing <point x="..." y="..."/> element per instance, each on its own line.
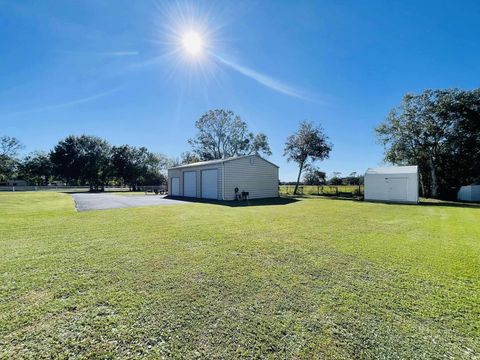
<point x="392" y="184"/>
<point x="218" y="179"/>
<point x="469" y="193"/>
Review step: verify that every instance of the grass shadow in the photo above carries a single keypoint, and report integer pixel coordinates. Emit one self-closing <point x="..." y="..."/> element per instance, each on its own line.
<point x="423" y="202"/>
<point x="457" y="204"/>
<point x="240" y="203"/>
<point x="327" y="197"/>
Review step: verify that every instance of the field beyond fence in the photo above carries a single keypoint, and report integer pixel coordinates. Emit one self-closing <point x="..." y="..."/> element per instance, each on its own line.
<point x="59" y="188"/>
<point x="327" y="190"/>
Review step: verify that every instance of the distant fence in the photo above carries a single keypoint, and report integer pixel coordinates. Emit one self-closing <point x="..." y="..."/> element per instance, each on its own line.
<point x="327" y="190"/>
<point x="59" y="188"/>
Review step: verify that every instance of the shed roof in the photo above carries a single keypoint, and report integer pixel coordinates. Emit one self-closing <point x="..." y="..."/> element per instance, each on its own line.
<point x="220" y="161"/>
<point x="393" y="170"/>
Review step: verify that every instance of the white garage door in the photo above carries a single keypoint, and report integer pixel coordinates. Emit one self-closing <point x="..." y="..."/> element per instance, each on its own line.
<point x="175" y="190"/>
<point x="209" y="184"/>
<point x="397" y="189"/>
<point x="190" y="184"/>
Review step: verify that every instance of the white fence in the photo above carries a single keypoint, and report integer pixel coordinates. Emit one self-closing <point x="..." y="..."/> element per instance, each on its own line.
<point x="59" y="188"/>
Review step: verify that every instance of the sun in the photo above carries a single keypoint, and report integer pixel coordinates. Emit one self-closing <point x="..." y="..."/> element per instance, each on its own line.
<point x="192" y="43"/>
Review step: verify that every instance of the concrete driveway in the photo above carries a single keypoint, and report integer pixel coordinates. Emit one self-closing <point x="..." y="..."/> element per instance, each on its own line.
<point x="87" y="201"/>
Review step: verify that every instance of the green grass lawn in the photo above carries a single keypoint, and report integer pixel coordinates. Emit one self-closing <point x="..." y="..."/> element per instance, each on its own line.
<point x="314" y="278"/>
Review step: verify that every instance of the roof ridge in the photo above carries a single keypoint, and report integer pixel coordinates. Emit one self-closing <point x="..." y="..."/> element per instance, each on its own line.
<point x="219" y="161"/>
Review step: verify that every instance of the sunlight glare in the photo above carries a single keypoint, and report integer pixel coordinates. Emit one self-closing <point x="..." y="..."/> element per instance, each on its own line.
<point x="192" y="42"/>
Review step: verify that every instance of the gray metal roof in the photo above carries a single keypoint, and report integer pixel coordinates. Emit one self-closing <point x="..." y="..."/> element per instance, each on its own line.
<point x="219" y="161"/>
<point x="393" y="170"/>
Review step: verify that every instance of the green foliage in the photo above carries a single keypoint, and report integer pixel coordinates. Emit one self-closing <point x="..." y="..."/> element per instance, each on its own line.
<point x="90" y="160"/>
<point x="438" y="130"/>
<point x="36" y="168"/>
<point x="189" y="158"/>
<point x="82" y="159"/>
<point x="9" y="148"/>
<point x="137" y="166"/>
<point x="306" y="146"/>
<point x="314" y="176"/>
<point x="352" y="179"/>
<point x="315" y="278"/>
<point x="322" y="189"/>
<point x="222" y="134"/>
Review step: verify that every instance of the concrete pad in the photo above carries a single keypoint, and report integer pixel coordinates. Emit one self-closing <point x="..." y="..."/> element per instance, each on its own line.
<point x="88" y="201"/>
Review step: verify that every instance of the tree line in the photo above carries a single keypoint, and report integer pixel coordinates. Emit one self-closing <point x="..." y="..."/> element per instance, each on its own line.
<point x="438" y="130"/>
<point x="314" y="176"/>
<point x="83" y="160"/>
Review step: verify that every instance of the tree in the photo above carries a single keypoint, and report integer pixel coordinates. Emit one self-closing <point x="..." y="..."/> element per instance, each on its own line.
<point x="314" y="176"/>
<point x="36" y="168"/>
<point x="353" y="179"/>
<point x="137" y="166"/>
<point x="9" y="148"/>
<point x="336" y="178"/>
<point x="306" y="146"/>
<point x="153" y="167"/>
<point x="83" y="159"/>
<point x="259" y="144"/>
<point x="126" y="164"/>
<point x="222" y="134"/>
<point x="439" y="131"/>
<point x="189" y="158"/>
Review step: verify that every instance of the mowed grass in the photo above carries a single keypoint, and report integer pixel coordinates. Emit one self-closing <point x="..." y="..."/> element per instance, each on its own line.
<point x="314" y="278"/>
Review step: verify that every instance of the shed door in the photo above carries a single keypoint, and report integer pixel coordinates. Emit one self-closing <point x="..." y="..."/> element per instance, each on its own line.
<point x="397" y="189"/>
<point x="210" y="184"/>
<point x="190" y="184"/>
<point x="175" y="190"/>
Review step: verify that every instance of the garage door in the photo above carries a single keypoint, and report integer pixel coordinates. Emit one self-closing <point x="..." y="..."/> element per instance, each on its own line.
<point x="210" y="184"/>
<point x="175" y="190"/>
<point x="397" y="189"/>
<point x="190" y="184"/>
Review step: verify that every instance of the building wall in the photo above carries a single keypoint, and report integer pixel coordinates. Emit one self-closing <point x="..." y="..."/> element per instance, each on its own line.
<point x="252" y="174"/>
<point x="377" y="188"/>
<point x="469" y="193"/>
<point x="179" y="173"/>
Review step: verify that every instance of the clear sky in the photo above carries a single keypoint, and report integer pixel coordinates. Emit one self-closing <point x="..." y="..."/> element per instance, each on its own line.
<point x="117" y="69"/>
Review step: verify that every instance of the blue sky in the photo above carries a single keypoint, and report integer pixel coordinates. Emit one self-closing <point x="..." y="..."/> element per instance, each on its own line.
<point x="115" y="69"/>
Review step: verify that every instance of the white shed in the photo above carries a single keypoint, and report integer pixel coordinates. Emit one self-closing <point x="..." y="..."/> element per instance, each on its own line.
<point x="469" y="193"/>
<point x="392" y="184"/>
<point x="218" y="179"/>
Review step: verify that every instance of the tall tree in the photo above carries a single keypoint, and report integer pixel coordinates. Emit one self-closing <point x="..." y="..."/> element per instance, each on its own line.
<point x="222" y="134"/>
<point x="306" y="146"/>
<point x="36" y="168"/>
<point x="83" y="159"/>
<point x="438" y="131"/>
<point x="9" y="148"/>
